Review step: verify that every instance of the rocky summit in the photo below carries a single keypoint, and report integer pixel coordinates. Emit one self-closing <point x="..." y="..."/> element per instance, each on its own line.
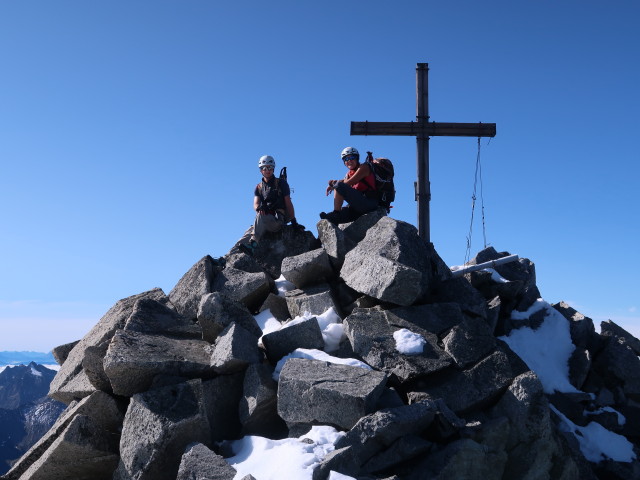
<point x="163" y="383"/>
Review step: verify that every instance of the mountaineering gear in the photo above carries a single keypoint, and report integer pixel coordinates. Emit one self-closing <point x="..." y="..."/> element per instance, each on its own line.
<point x="266" y="161"/>
<point x="349" y="151"/>
<point x="272" y="195"/>
<point x="383" y="173"/>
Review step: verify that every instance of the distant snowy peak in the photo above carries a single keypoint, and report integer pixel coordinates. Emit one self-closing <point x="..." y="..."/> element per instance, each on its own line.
<point x="23" y="384"/>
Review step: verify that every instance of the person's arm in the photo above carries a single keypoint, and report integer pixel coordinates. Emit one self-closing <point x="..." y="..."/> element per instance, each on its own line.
<point x="288" y="205"/>
<point x="362" y="171"/>
<point x="256" y="203"/>
<point x="332" y="185"/>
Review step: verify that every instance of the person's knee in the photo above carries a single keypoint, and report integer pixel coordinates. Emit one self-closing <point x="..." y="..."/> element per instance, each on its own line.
<point x="341" y="188"/>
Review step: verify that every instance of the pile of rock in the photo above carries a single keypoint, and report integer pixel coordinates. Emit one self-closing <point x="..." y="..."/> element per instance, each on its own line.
<point x="161" y="381"/>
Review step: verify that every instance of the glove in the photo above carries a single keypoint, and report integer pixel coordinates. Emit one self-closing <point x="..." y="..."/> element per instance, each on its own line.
<point x="295" y="224"/>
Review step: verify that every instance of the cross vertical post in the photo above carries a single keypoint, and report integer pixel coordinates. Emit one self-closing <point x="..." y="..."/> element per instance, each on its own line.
<point x="423" y="129"/>
<point x="423" y="186"/>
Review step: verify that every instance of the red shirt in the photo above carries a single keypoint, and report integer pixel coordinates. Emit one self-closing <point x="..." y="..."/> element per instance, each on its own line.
<point x="364" y="185"/>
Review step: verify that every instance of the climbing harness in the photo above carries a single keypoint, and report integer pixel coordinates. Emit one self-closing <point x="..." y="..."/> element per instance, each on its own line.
<point x="478" y="176"/>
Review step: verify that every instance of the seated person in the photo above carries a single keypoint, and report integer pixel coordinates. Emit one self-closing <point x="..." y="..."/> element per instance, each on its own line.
<point x="357" y="189"/>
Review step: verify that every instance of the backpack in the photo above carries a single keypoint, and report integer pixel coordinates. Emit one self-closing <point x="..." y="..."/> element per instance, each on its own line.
<point x="276" y="187"/>
<point x="383" y="172"/>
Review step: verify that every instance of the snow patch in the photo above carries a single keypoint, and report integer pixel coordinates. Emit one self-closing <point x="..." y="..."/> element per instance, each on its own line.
<point x="288" y="458"/>
<point x="409" y="343"/>
<point x="596" y="442"/>
<point x="545" y="350"/>
<point x="313" y="354"/>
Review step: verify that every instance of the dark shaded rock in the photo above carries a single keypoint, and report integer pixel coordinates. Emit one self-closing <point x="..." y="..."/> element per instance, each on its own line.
<point x="378" y="431"/>
<point x="583" y="333"/>
<point x="571" y="406"/>
<point x="134" y="359"/>
<point x="201" y="463"/>
<point x="462" y="458"/>
<point x="277" y="305"/>
<point x="83" y="451"/>
<point x="405" y="448"/>
<point x="532" y="445"/>
<point x="222" y="397"/>
<point x="259" y="404"/>
<point x="460" y="291"/>
<point x="198" y="281"/>
<point x="158" y="426"/>
<point x="446" y="423"/>
<point x="234" y="350"/>
<point x="217" y="311"/>
<point x="469" y="342"/>
<point x="611" y="329"/>
<point x="249" y="288"/>
<point x="619" y="366"/>
<point x="92" y="363"/>
<point x="312" y="300"/>
<point x="472" y="389"/>
<point x="154" y="317"/>
<point x="274" y="247"/>
<point x="436" y="318"/>
<point x="334" y="242"/>
<point x="309" y="268"/>
<point x="315" y="392"/>
<point x="305" y="334"/>
<point x="370" y="333"/>
<point x="340" y="460"/>
<point x="104" y="412"/>
<point x="579" y="366"/>
<point x="61" y="352"/>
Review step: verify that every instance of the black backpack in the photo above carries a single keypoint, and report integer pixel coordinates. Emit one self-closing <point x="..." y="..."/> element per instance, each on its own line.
<point x="382" y="169"/>
<point x="276" y="186"/>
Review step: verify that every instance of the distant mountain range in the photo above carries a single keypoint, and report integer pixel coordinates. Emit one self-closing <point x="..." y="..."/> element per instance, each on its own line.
<point x="26" y="413"/>
<point x="24" y="358"/>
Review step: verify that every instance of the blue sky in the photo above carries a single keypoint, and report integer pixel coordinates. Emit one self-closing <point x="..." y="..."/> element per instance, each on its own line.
<point x="130" y="133"/>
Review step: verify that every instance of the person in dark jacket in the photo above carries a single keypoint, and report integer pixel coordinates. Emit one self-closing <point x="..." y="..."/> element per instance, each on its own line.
<point x="272" y="203"/>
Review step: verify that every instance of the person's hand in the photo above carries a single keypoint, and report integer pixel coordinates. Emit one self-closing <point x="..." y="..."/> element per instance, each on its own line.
<point x="295" y="224"/>
<point x="332" y="186"/>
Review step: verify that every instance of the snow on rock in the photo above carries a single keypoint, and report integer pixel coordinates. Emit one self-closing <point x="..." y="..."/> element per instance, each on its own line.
<point x="258" y="454"/>
<point x="409" y="343"/>
<point x="545" y="350"/>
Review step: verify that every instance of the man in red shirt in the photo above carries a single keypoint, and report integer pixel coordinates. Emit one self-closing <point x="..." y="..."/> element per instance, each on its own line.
<point x="357" y="188"/>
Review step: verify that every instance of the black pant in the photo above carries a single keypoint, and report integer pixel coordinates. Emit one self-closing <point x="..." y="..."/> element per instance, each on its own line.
<point x="358" y="203"/>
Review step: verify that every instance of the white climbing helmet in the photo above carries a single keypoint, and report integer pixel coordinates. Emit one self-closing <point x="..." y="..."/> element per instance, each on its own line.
<point x="349" y="151"/>
<point x="266" y="161"/>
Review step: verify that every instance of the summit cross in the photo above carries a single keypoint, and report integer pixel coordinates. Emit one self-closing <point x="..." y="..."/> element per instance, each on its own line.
<point x="422" y="129"/>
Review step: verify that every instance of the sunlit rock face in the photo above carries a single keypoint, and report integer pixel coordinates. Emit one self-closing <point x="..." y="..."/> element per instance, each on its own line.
<point x="416" y="372"/>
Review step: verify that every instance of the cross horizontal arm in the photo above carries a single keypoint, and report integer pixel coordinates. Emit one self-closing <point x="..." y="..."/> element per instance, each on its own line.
<point x="432" y="129"/>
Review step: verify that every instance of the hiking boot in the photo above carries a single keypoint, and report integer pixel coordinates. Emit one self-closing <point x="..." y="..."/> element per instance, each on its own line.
<point x="333" y="217"/>
<point x="249" y="247"/>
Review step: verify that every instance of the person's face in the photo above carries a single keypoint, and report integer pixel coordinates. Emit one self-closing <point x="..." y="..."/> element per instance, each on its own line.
<point x="351" y="162"/>
<point x="267" y="172"/>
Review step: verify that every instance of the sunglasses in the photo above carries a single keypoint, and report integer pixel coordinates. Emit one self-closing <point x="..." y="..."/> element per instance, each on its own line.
<point x="349" y="157"/>
<point x="266" y="168"/>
